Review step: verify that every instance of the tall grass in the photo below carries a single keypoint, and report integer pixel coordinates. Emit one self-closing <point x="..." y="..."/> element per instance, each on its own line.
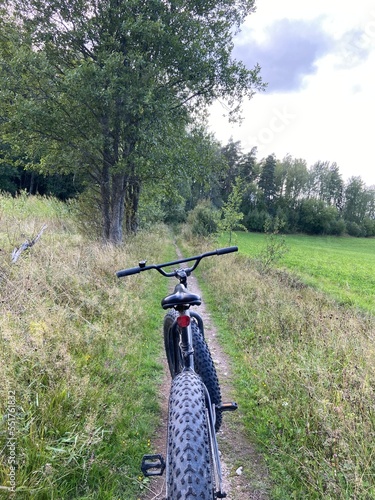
<point x="305" y="377"/>
<point x="78" y="358"/>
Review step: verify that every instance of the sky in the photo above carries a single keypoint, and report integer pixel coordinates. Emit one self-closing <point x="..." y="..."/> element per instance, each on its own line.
<point x="318" y="58"/>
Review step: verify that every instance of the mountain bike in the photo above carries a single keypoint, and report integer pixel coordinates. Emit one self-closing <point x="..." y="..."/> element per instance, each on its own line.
<point x="192" y="462"/>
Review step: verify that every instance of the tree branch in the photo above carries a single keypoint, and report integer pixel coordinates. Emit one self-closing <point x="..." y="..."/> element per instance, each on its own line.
<point x="27" y="244"/>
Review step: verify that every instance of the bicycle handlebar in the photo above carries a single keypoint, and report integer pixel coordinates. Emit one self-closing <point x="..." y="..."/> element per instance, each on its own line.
<point x="158" y="267"/>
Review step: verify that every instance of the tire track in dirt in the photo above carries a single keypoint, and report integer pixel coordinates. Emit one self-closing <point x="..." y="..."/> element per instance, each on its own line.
<point x="245" y="475"/>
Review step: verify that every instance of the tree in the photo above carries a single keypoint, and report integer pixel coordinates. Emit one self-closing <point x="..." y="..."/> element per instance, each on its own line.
<point x="326" y="184"/>
<point x="232" y="217"/>
<point x="97" y="85"/>
<point x="357" y="200"/>
<point x="296" y="179"/>
<point x="232" y="154"/>
<point x="267" y="180"/>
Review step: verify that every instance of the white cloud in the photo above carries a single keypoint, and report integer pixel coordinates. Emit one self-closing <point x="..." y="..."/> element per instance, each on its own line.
<point x="329" y="115"/>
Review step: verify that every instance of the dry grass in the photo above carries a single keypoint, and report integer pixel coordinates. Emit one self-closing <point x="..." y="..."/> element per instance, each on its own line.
<point x="78" y="350"/>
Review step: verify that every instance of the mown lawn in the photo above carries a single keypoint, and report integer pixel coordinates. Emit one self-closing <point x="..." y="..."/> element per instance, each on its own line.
<point x="344" y="267"/>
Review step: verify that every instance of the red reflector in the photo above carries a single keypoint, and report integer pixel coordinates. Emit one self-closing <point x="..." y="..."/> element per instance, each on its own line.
<point x="183" y="321"/>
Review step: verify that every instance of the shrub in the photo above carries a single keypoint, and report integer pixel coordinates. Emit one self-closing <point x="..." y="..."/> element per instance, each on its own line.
<point x="337" y="227"/>
<point x="353" y="229"/>
<point x="315" y="217"/>
<point x="256" y="219"/>
<point x="369" y="227"/>
<point x="204" y="219"/>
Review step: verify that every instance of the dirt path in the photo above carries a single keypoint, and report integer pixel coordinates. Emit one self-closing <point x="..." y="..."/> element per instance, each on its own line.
<point x="244" y="473"/>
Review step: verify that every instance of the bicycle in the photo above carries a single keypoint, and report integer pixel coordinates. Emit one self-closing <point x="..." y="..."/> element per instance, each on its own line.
<point x="192" y="464"/>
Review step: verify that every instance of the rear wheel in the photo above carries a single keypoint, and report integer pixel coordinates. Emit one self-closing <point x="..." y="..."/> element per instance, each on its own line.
<point x="203" y="363"/>
<point x="189" y="468"/>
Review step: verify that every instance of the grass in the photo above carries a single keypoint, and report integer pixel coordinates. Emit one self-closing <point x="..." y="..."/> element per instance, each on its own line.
<point x="79" y="354"/>
<point x="79" y="364"/>
<point x="340" y="266"/>
<point x="304" y="377"/>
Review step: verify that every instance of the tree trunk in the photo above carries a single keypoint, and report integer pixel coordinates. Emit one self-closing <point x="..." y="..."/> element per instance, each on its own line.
<point x="119" y="201"/>
<point x="133" y="190"/>
<point x="117" y="208"/>
<point x="119" y="191"/>
<point x="105" y="191"/>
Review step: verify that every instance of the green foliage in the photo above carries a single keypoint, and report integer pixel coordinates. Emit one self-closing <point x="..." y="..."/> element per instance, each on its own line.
<point x="312" y="200"/>
<point x="204" y="219"/>
<point x="267" y="180"/>
<point x="368" y="226"/>
<point x="256" y="219"/>
<point x="354" y="229"/>
<point x="356" y="200"/>
<point x="315" y="217"/>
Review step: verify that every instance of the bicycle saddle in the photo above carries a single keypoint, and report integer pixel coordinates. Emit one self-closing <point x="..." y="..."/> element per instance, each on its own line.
<point x="180" y="297"/>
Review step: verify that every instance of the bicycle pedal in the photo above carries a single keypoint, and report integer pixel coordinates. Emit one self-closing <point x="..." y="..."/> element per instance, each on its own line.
<point x="152" y="465"/>
<point x="227" y="406"/>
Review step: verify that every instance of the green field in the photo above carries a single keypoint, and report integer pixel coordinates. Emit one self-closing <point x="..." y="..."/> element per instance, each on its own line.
<point x="341" y="266"/>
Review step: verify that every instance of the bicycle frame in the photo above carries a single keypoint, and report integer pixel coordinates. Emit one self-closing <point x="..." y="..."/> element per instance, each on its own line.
<point x="182" y="344"/>
<point x="185" y="338"/>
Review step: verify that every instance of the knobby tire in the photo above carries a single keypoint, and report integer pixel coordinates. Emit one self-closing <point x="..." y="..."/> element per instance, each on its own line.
<point x="189" y="467"/>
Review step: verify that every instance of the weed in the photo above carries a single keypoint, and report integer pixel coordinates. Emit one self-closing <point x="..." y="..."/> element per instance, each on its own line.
<point x="275" y="246"/>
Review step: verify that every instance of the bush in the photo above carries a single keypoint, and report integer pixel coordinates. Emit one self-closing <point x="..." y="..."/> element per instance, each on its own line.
<point x="315" y="217"/>
<point x="204" y="219"/>
<point x="369" y="227"/>
<point x="337" y="227"/>
<point x="354" y="229"/>
<point x="256" y="219"/>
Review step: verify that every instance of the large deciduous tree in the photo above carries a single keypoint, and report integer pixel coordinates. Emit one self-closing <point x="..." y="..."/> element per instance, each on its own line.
<point x="95" y="85"/>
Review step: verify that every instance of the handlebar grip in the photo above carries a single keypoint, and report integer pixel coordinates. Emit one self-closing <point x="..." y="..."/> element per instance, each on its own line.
<point x="222" y="251"/>
<point x="128" y="272"/>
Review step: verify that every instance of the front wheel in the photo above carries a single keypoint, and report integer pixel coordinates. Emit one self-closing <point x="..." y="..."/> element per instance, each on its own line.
<point x="189" y="467"/>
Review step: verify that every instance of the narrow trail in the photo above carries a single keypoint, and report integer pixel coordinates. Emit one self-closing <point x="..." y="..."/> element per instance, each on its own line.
<point x="244" y="472"/>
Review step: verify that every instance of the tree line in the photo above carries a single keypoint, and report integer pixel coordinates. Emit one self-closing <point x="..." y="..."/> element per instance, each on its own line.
<point x="310" y="199"/>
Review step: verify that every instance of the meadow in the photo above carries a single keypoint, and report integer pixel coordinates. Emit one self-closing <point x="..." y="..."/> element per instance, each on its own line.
<point x="343" y="267"/>
<point x="79" y="358"/>
<point x="303" y="370"/>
